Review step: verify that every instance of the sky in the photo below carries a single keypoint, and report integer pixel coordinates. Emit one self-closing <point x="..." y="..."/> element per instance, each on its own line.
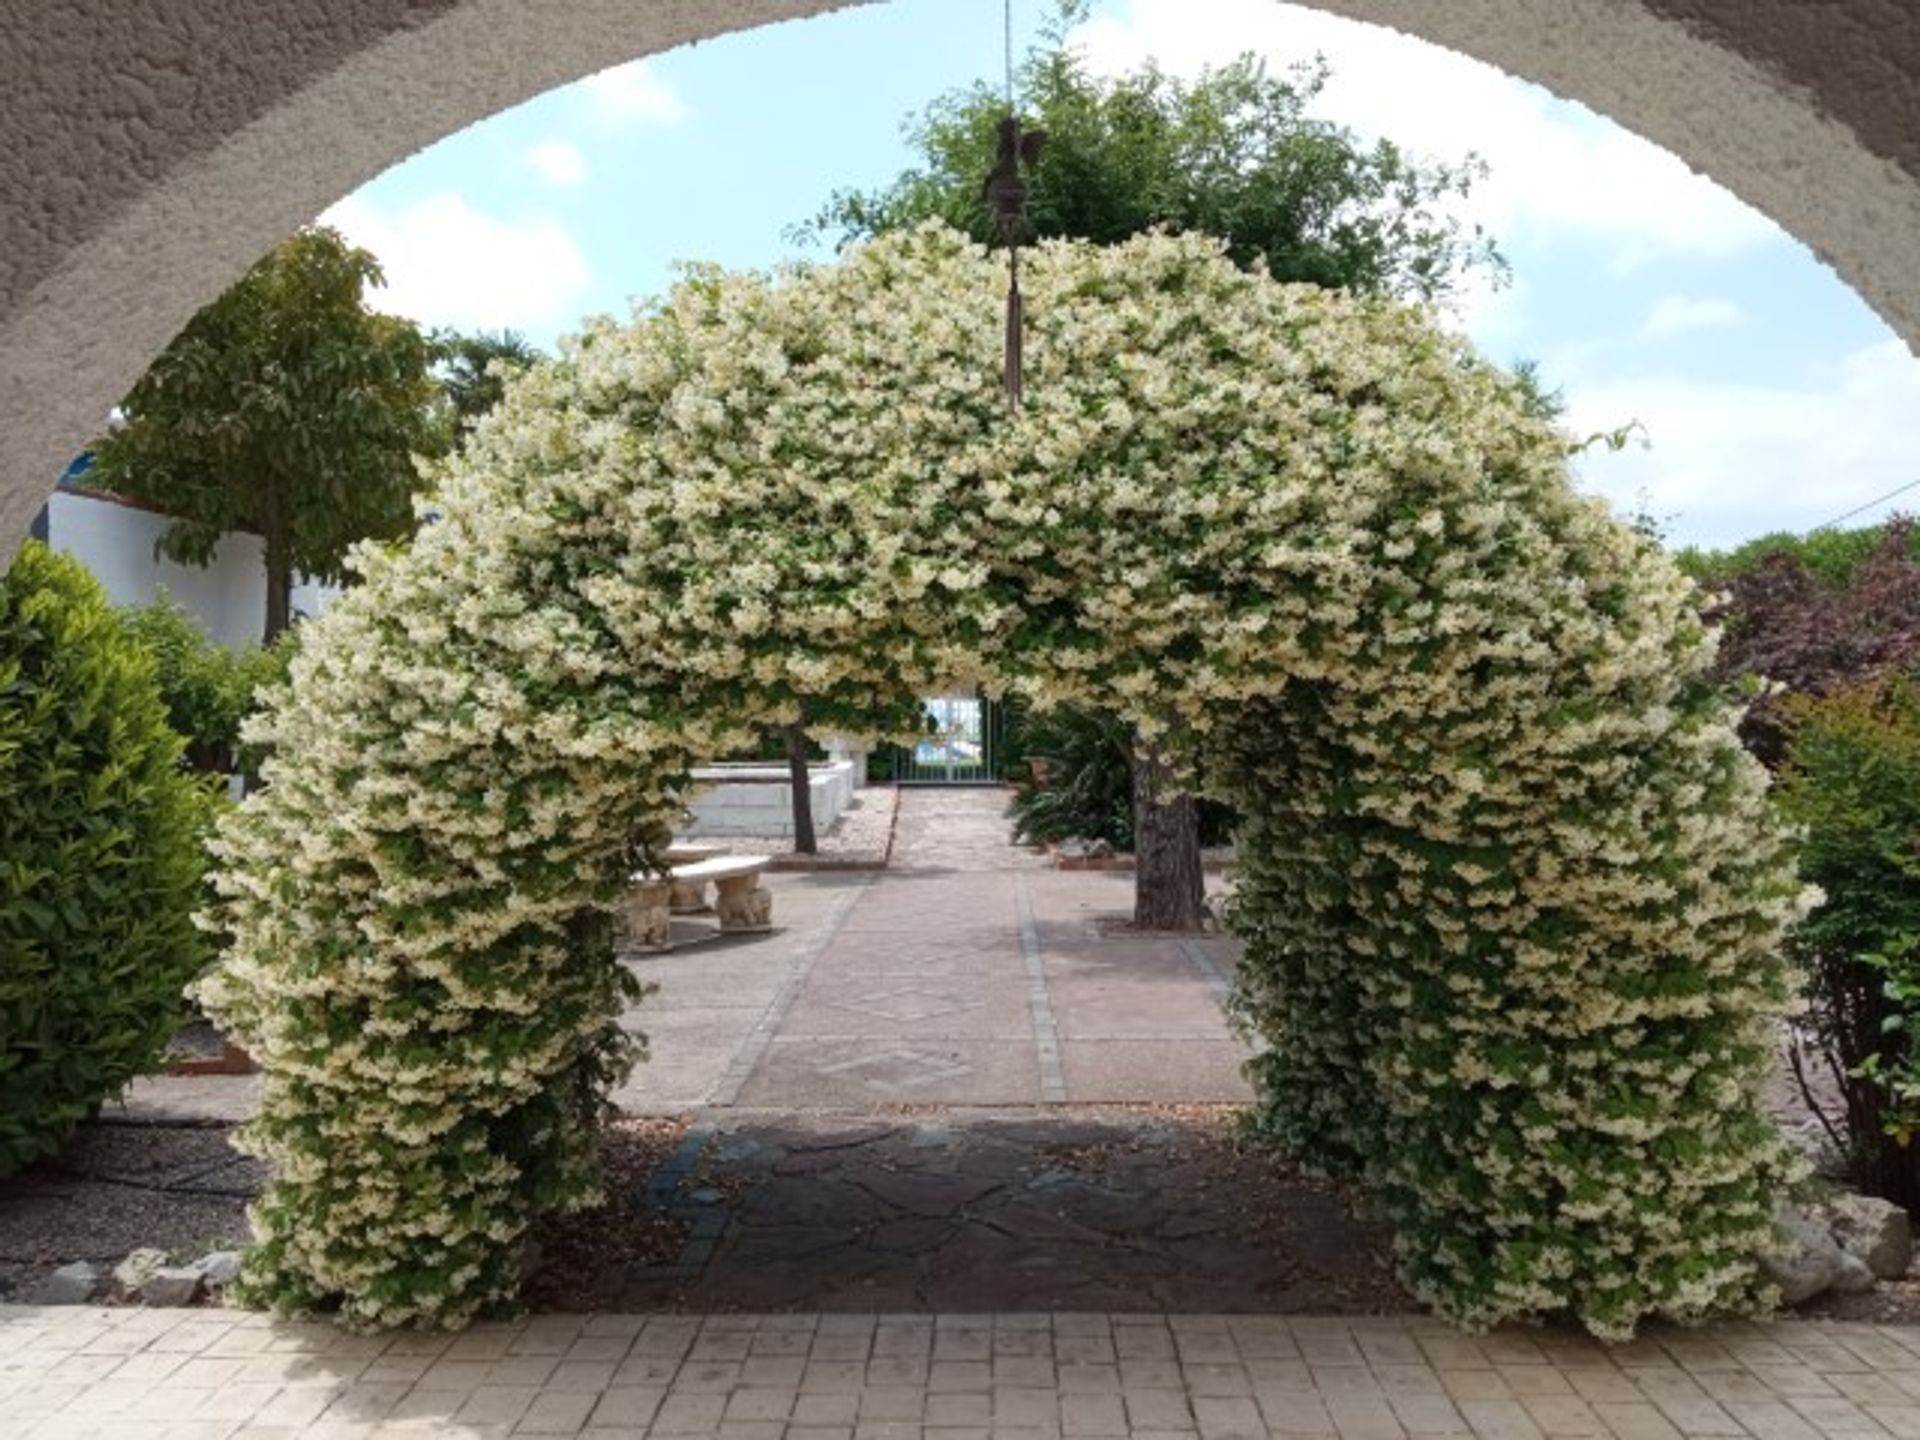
<point x="1768" y="396"/>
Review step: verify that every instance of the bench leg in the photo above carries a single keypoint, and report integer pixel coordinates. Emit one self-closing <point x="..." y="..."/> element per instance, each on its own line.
<point x="649" y="923"/>
<point x="743" y="905"/>
<point x="689" y="897"/>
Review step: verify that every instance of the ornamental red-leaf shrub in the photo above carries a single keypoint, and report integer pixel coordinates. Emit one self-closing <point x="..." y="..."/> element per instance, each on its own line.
<point x="1783" y="621"/>
<point x="1839" y="722"/>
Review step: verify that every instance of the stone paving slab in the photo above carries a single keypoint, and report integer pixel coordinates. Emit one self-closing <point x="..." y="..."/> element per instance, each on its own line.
<point x="1028" y="1208"/>
<point x="817" y="1071"/>
<point x="216" y="1375"/>
<point x="961" y="976"/>
<point x="981" y="952"/>
<point x="907" y="1007"/>
<point x="1178" y="1070"/>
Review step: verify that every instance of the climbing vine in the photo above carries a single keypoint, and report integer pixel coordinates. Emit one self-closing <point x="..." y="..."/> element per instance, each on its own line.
<point x="1511" y="897"/>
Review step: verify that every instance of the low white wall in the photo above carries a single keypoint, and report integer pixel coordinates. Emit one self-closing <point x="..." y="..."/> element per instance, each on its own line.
<point x="853" y="753"/>
<point x="758" y="799"/>
<point x="115" y="541"/>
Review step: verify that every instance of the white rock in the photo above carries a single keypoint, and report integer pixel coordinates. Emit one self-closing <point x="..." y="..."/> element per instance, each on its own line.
<point x="1808" y="1263"/>
<point x="131" y="1273"/>
<point x="1853" y="1277"/>
<point x="73" y="1284"/>
<point x="219" y="1268"/>
<point x="1878" y="1232"/>
<point x="172" y="1285"/>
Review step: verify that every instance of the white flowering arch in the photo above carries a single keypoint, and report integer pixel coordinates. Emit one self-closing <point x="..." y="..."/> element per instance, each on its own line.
<point x="1509" y="889"/>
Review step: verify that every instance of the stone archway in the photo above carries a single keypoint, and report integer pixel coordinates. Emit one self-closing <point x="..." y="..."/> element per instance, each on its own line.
<point x="1510" y="893"/>
<point x="152" y="155"/>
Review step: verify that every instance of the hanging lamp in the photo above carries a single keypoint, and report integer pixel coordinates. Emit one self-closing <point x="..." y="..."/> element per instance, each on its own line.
<point x="1005" y="194"/>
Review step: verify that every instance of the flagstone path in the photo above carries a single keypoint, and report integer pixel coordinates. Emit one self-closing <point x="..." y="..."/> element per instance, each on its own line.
<point x="954" y="1208"/>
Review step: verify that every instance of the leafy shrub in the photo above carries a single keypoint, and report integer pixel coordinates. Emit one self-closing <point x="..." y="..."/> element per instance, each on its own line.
<point x="1852" y="781"/>
<point x="99" y="850"/>
<point x="1783" y="621"/>
<point x="1084" y="784"/>
<point x="208" y="688"/>
<point x="1831" y="623"/>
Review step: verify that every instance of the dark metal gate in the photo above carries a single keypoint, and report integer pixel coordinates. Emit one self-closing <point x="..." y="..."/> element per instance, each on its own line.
<point x="959" y="747"/>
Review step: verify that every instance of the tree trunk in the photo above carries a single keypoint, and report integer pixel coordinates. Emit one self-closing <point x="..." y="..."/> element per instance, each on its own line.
<point x="276" y="531"/>
<point x="803" y="838"/>
<point x="1169" y="892"/>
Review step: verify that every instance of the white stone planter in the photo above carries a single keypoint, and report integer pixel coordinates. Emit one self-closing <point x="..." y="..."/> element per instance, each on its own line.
<point x="757" y="799"/>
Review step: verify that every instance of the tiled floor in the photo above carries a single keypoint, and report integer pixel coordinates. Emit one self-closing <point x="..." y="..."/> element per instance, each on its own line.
<point x="215" y="1375"/>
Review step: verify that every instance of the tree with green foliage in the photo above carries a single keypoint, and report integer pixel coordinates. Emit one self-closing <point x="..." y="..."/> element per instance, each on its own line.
<point x="288" y="408"/>
<point x="1235" y="154"/>
<point x="100" y="856"/>
<point x="473" y="370"/>
<point x="1830" y="557"/>
<point x="1080" y="786"/>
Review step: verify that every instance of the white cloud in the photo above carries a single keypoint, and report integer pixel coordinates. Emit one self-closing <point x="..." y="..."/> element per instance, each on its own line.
<point x="1678" y="314"/>
<point x="632" y="92"/>
<point x="1555" y="168"/>
<point x="558" y="162"/>
<point x="1493" y="316"/>
<point x="449" y="264"/>
<point x="1735" y="460"/>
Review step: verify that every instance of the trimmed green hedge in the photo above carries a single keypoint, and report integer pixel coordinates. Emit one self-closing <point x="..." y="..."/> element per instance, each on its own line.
<point x="1832" y="555"/>
<point x="100" y="856"/>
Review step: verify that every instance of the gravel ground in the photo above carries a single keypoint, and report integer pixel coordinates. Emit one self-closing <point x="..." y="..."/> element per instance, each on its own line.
<point x="573" y="1253"/>
<point x="198" y="1039"/>
<point x="182" y="1189"/>
<point x="116" y="1188"/>
<point x="861" y="837"/>
<point x="1795" y="1116"/>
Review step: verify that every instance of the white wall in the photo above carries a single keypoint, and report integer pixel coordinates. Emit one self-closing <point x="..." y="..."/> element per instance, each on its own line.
<point x="115" y="541"/>
<point x="762" y="806"/>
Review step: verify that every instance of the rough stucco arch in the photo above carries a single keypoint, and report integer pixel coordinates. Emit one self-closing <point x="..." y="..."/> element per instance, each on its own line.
<point x="1511" y="889"/>
<point x="152" y="150"/>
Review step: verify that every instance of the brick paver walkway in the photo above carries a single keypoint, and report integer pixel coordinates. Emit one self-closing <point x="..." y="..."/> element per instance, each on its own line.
<point x="158" y="1374"/>
<point x="968" y="973"/>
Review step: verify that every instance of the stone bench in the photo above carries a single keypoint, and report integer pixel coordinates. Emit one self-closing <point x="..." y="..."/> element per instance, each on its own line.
<point x="742" y="903"/>
<point x="689" y="898"/>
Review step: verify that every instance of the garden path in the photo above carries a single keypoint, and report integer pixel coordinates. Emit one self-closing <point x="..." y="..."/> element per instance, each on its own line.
<point x="968" y="973"/>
